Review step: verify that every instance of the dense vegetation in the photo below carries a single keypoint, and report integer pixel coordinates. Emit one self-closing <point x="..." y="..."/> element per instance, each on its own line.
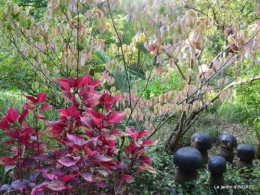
<point x="113" y="72"/>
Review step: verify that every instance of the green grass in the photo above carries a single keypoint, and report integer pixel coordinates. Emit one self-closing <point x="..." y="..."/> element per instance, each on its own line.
<point x="10" y="98"/>
<point x="231" y="112"/>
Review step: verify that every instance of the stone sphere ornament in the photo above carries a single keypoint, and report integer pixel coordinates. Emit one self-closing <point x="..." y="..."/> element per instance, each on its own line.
<point x="202" y="142"/>
<point x="217" y="166"/>
<point x="246" y="155"/>
<point x="227" y="144"/>
<point x="188" y="160"/>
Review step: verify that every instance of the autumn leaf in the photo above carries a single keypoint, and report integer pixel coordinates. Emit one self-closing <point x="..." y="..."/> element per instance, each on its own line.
<point x="41" y="97"/>
<point x="160" y="69"/>
<point x="56" y="185"/>
<point x="115" y="117"/>
<point x="12" y="115"/>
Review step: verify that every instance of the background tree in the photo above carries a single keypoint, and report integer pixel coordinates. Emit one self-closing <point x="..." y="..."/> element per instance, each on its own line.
<point x="134" y="45"/>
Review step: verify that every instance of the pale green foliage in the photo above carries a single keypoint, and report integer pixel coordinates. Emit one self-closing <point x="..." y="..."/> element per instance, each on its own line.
<point x="141" y="44"/>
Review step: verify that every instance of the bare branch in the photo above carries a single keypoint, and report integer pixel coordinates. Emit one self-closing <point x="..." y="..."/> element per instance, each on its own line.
<point x="179" y="133"/>
<point x="78" y="27"/>
<point x="162" y="122"/>
<point x="195" y="9"/>
<point x="233" y="84"/>
<point x="221" y="6"/>
<point x="122" y="52"/>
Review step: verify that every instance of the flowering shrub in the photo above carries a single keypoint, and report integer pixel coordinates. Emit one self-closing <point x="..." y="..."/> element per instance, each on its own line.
<point x="91" y="157"/>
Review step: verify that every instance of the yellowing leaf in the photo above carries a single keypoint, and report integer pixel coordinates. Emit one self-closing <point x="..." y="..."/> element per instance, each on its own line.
<point x="142" y="37"/>
<point x="149" y="168"/>
<point x="101" y="24"/>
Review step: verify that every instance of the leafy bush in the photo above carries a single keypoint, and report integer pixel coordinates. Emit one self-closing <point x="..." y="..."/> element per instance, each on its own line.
<point x="89" y="156"/>
<point x="248" y="98"/>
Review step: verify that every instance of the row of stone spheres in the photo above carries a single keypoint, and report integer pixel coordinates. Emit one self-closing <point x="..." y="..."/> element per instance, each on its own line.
<point x="189" y="159"/>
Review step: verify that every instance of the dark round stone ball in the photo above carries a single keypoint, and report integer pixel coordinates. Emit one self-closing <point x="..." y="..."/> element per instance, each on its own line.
<point x="246" y="152"/>
<point x="217" y="164"/>
<point x="227" y="141"/>
<point x="201" y="141"/>
<point x="188" y="158"/>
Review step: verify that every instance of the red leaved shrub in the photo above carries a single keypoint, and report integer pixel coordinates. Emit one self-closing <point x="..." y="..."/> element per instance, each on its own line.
<point x="92" y="157"/>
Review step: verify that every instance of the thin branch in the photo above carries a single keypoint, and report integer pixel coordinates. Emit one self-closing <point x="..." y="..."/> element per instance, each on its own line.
<point x="55" y="53"/>
<point x="243" y="7"/>
<point x="219" y="9"/>
<point x="138" y="64"/>
<point x="122" y="52"/>
<point x="179" y="133"/>
<point x="77" y="44"/>
<point x="239" y="19"/>
<point x="195" y="9"/>
<point x="149" y="79"/>
<point x="215" y="16"/>
<point x="233" y="84"/>
<point x="190" y="125"/>
<point x="68" y="40"/>
<point x="178" y="67"/>
<point x="180" y="71"/>
<point x="223" y="67"/>
<point x="35" y="46"/>
<point x="162" y="122"/>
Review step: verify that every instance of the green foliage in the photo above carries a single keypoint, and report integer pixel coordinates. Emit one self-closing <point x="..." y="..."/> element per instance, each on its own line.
<point x="161" y="182"/>
<point x="236" y="183"/>
<point x="242" y="183"/>
<point x="248" y="97"/>
<point x="159" y="85"/>
<point x="13" y="72"/>
<point x="120" y="81"/>
<point x="9" y="98"/>
<point x="233" y="112"/>
<point x="247" y="94"/>
<point x="216" y="43"/>
<point x="213" y="132"/>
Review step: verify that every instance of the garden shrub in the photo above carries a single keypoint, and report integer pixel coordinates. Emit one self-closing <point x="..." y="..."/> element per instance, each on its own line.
<point x="92" y="155"/>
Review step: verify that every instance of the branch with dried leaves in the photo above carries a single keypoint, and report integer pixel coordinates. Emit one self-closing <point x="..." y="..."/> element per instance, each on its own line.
<point x="187" y="122"/>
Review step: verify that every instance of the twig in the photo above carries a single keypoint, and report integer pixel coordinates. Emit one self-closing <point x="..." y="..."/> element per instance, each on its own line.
<point x="233" y="84"/>
<point x="179" y="133"/>
<point x="223" y="67"/>
<point x="122" y="52"/>
<point x="219" y="9"/>
<point x="30" y="42"/>
<point x="77" y="44"/>
<point x="162" y="122"/>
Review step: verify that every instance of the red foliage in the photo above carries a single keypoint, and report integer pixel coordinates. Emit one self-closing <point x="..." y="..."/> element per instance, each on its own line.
<point x="87" y="131"/>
